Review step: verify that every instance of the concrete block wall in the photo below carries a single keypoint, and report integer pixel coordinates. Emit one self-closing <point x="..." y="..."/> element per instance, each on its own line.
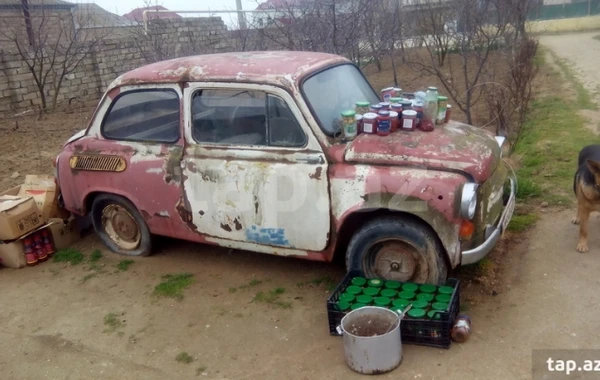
<point x="110" y="58"/>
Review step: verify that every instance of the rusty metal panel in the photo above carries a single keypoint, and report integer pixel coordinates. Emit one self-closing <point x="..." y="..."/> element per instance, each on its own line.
<point x="280" y="68"/>
<point x="456" y="147"/>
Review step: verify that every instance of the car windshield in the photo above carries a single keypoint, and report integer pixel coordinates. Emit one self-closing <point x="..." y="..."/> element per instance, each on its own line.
<point x="335" y="90"/>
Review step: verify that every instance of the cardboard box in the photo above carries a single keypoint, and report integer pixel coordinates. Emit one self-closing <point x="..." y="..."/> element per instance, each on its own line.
<point x="45" y="192"/>
<point x="64" y="233"/>
<point x="11" y="254"/>
<point x="18" y="216"/>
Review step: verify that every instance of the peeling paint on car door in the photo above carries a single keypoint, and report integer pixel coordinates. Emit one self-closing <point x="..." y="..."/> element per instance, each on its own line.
<point x="258" y="194"/>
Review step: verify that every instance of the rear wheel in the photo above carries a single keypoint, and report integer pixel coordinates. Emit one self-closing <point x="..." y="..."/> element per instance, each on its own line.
<point x="120" y="226"/>
<point x="394" y="248"/>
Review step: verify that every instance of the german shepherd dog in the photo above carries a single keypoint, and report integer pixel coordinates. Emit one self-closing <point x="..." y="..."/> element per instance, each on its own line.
<point x="587" y="189"/>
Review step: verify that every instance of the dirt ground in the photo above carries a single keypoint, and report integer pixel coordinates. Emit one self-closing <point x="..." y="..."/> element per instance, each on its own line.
<point x="53" y="314"/>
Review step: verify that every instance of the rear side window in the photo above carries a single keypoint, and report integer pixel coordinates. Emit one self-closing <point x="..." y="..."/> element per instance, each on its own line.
<point x="147" y="115"/>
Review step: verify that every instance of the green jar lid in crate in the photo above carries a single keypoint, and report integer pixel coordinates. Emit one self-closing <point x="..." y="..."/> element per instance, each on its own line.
<point x="353" y="289"/>
<point x="410" y="287"/>
<point x="382" y="301"/>
<point x="434" y="314"/>
<point x="357" y="306"/>
<point x="440" y="306"/>
<point x="425" y="297"/>
<point x="371" y="291"/>
<point x="406" y="295"/>
<point x="343" y="305"/>
<point x="390" y="293"/>
<point x="416" y="313"/>
<point x="348" y="297"/>
<point x="427" y="288"/>
<point x="446" y="290"/>
<point x="363" y="298"/>
<point x="420" y="304"/>
<point x="445" y="298"/>
<point x="391" y="284"/>
<point x="375" y="283"/>
<point x="400" y="303"/>
<point x="359" y="281"/>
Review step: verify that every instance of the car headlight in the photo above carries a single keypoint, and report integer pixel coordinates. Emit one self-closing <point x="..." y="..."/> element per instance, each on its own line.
<point x="468" y="201"/>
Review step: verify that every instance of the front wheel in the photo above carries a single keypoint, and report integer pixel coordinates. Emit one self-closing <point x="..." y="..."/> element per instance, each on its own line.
<point x="393" y="248"/>
<point x="120" y="226"/>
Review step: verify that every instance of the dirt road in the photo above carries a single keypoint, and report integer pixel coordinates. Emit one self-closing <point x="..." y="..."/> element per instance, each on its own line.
<point x="52" y="321"/>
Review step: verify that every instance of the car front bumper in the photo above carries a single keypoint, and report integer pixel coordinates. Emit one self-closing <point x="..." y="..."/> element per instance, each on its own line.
<point x="494" y="234"/>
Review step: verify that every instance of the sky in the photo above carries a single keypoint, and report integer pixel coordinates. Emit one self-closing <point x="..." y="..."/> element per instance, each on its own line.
<point x="121" y="7"/>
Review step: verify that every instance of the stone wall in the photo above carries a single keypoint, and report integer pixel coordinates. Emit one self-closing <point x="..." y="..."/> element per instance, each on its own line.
<point x="110" y="58"/>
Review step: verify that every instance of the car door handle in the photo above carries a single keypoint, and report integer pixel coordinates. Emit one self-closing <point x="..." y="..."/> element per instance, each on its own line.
<point x="311" y="160"/>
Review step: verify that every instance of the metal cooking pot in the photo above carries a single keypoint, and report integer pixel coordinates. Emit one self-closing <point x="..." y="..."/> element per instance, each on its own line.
<point x="372" y="340"/>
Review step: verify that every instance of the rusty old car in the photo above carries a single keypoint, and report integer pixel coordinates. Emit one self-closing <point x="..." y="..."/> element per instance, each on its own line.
<point x="240" y="150"/>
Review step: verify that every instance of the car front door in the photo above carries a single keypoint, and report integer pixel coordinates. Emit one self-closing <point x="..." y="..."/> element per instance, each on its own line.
<point x="253" y="171"/>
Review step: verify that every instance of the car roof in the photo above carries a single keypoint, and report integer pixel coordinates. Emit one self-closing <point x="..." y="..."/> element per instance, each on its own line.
<point x="281" y="68"/>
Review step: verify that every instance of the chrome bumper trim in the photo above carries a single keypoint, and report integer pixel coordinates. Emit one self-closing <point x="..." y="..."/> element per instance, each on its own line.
<point x="476" y="254"/>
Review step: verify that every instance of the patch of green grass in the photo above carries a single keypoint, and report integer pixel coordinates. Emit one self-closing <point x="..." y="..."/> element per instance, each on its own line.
<point x="584" y="98"/>
<point x="112" y="322"/>
<point x="68" y="255"/>
<point x="123" y="265"/>
<point x="184" y="357"/>
<point x="553" y="135"/>
<point x="327" y="281"/>
<point x="95" y="256"/>
<point x="272" y="298"/>
<point x="251" y="284"/>
<point x="201" y="369"/>
<point x="482" y="268"/>
<point x="232" y="290"/>
<point x="520" y="223"/>
<point x="174" y="285"/>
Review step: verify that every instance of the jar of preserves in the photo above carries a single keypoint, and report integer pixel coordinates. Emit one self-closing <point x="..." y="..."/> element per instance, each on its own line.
<point x="396" y="100"/>
<point x="362" y="108"/>
<point x="430" y="109"/>
<point x="359" y="126"/>
<point x="375" y="108"/>
<point x="384" y="123"/>
<point x="370" y="122"/>
<point x="397" y="91"/>
<point x="409" y="120"/>
<point x="394" y="123"/>
<point x="448" y="113"/>
<point x="385" y="106"/>
<point x="387" y="93"/>
<point x="349" y="124"/>
<point x="396" y="107"/>
<point x="418" y="107"/>
<point x="461" y="329"/>
<point x="408" y="95"/>
<point x="441" y="115"/>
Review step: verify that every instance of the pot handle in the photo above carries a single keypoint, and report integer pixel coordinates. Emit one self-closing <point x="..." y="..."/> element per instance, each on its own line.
<point x="339" y="330"/>
<point x="403" y="312"/>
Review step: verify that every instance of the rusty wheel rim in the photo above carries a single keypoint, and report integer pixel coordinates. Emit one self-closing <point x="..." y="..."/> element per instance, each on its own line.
<point x="397" y="260"/>
<point x="121" y="227"/>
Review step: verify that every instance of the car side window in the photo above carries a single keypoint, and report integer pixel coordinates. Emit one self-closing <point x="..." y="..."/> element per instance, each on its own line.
<point x="243" y="117"/>
<point x="144" y="115"/>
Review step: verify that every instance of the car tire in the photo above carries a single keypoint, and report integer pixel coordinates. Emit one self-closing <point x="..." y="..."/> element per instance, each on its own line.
<point x="397" y="248"/>
<point x="120" y="226"/>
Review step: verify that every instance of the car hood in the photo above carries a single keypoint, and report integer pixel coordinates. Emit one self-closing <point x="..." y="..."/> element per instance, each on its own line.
<point x="454" y="146"/>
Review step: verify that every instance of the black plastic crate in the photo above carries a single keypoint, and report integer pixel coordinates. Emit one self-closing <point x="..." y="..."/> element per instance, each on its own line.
<point x="424" y="332"/>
